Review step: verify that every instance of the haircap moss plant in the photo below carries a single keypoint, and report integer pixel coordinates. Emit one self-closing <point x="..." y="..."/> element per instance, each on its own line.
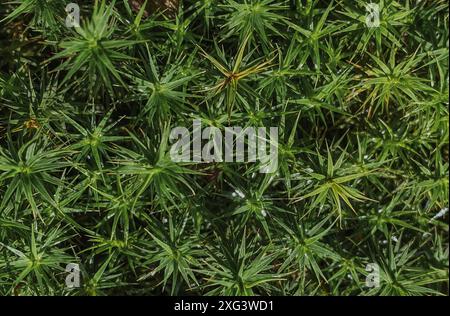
<point x="93" y="203"/>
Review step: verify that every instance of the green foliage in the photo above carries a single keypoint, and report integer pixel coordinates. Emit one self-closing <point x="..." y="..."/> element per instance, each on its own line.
<point x="86" y="175"/>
